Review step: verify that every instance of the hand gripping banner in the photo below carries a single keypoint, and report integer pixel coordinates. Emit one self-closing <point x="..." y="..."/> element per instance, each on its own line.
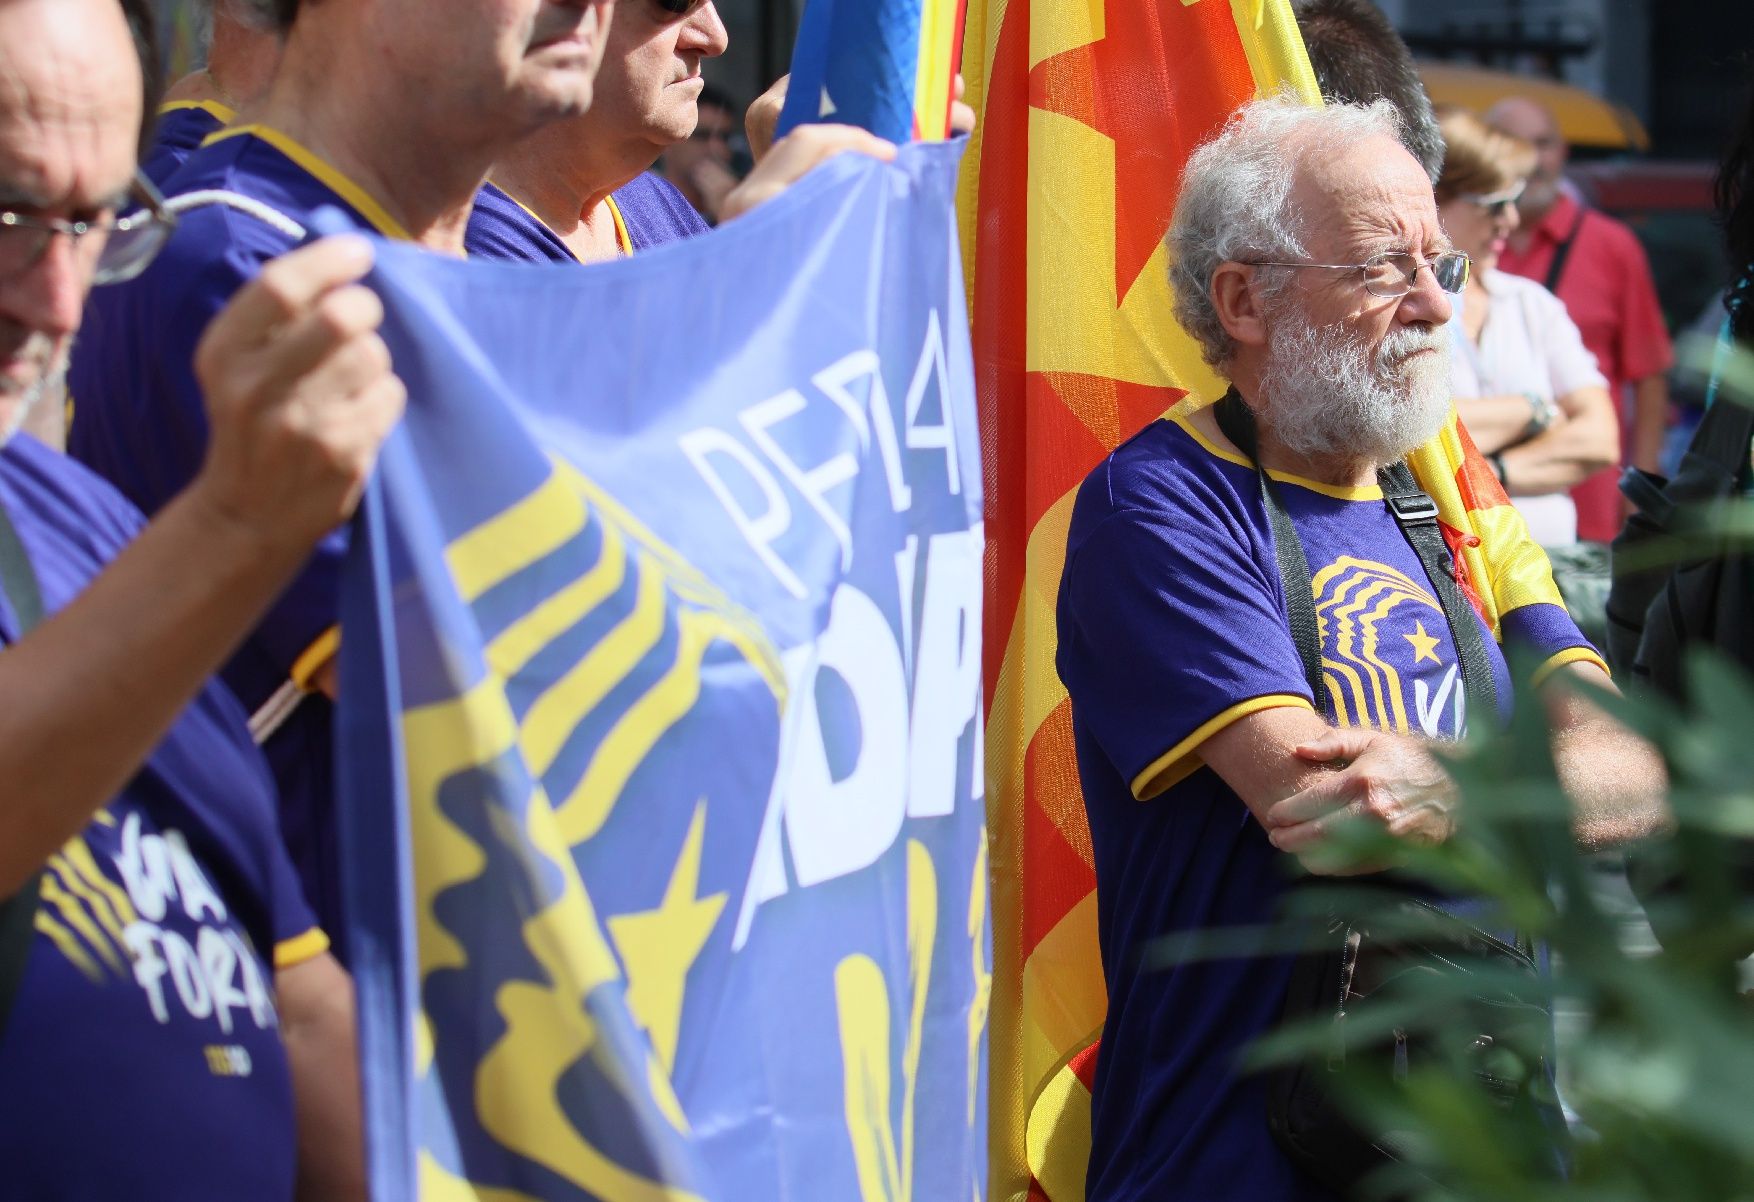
<point x="661" y="723"/>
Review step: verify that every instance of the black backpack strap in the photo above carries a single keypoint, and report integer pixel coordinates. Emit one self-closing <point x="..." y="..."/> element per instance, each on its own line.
<point x="18" y="913"/>
<point x="1716" y="464"/>
<point x="1238" y="425"/>
<point x="1723" y="439"/>
<point x="1416" y="514"/>
<point x="1556" y="269"/>
<point x="17" y="577"/>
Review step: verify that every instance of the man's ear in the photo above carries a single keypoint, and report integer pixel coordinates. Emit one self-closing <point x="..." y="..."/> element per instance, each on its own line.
<point x="1238" y="306"/>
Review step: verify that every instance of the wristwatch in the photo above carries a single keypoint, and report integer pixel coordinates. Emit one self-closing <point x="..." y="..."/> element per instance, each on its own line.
<point x="1543" y="412"/>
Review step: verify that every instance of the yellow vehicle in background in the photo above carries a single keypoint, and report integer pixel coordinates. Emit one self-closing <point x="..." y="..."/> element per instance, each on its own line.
<point x="1584" y="118"/>
<point x="1668" y="203"/>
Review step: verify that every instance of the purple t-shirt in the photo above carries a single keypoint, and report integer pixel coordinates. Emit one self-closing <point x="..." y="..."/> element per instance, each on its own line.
<point x="651" y="209"/>
<point x="656" y="213"/>
<point x="1172" y="625"/>
<point x="181" y="129"/>
<point x="140" y="422"/>
<point x="143" y="1057"/>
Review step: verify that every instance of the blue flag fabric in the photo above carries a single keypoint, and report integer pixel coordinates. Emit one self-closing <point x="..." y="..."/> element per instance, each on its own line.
<point x="660" y="722"/>
<point x="856" y="62"/>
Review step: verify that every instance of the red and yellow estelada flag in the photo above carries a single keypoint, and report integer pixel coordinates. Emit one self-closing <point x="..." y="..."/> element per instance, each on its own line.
<point x="1088" y="110"/>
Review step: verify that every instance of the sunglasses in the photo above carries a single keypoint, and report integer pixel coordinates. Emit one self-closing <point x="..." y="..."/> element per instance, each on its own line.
<point x="1497" y="204"/>
<point x="675" y="10"/>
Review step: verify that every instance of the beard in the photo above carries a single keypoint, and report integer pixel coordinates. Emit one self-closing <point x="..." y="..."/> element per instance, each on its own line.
<point x="1327" y="394"/>
<point x="1540" y="191"/>
<point x="23" y="398"/>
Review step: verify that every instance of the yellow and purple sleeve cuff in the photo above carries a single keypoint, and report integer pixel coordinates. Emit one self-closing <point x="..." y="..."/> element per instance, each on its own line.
<point x="289" y="953"/>
<point x="1571" y="655"/>
<point x="1180" y="761"/>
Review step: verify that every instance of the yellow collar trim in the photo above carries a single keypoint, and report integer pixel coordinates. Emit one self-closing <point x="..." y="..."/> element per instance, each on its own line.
<point x="622" y="238"/>
<point x="211" y="107"/>
<point x="1367" y="492"/>
<point x="531" y="213"/>
<point x="362" y="201"/>
<point x="623" y="241"/>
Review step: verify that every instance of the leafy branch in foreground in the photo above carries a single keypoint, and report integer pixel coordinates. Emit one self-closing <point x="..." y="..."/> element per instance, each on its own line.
<point x="1658" y="1072"/>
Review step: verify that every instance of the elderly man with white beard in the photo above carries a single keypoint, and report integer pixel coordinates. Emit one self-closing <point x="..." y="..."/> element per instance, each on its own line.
<point x="1221" y="726"/>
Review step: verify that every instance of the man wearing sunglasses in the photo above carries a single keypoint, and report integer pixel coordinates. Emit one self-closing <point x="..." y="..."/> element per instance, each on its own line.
<point x="583" y="189"/>
<point x="171" y="1023"/>
<point x="1310" y="265"/>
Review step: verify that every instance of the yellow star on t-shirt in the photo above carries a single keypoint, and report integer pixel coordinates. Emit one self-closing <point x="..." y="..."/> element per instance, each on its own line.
<point x="660" y="946"/>
<point x="1424" y="645"/>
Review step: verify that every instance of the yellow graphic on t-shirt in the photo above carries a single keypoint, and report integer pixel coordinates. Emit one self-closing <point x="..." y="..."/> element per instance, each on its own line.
<point x="1424" y="645"/>
<point x="145" y="910"/>
<point x="1366" y="632"/>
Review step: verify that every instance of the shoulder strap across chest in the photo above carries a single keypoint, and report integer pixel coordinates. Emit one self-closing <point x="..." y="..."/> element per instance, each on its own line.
<point x="1416" y="515"/>
<point x="1561" y="253"/>
<point x="18" y="913"/>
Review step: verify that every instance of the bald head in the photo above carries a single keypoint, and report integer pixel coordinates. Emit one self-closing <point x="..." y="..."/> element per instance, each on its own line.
<point x="1534" y="123"/>
<point x="1515" y="113"/>
<point x="70" y="96"/>
<point x="1361" y="195"/>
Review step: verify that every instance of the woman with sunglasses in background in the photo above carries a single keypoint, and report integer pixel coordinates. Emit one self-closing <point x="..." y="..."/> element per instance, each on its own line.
<point x="1526" y="388"/>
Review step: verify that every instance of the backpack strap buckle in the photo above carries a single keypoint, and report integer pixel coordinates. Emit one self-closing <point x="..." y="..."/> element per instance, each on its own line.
<point x="1413" y="509"/>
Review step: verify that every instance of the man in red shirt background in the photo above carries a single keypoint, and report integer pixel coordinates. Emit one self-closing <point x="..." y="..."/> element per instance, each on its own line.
<point x="1597" y="267"/>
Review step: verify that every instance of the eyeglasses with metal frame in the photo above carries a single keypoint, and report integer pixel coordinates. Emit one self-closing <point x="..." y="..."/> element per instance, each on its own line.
<point x="129" y="242"/>
<point x="1392" y="274"/>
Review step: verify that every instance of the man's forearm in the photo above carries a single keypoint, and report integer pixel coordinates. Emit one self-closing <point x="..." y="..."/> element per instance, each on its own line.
<point x="1616" y="784"/>
<point x="317" y="1021"/>
<point x="91" y="691"/>
<point x="1494" y="422"/>
<point x="1586" y="440"/>
<point x="1301" y="777"/>
<point x="300" y="395"/>
<point x="1615" y="780"/>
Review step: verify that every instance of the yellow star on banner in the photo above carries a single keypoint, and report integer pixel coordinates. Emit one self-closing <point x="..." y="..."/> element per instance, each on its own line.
<point x="660" y="946"/>
<point x="1423" y="644"/>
